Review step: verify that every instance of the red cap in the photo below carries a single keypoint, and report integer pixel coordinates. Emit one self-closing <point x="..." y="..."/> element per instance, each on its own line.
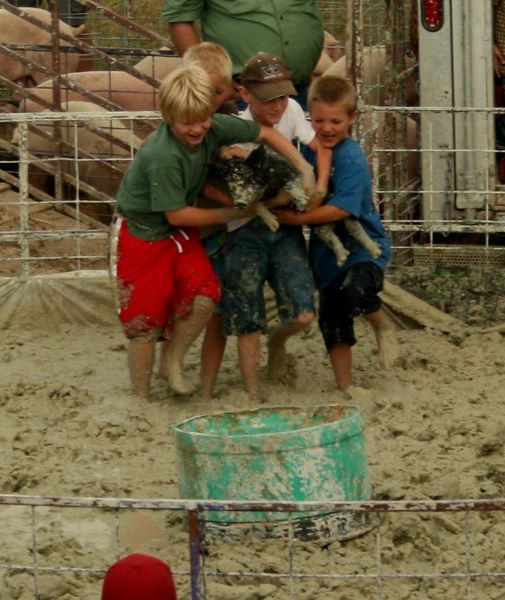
<point x="139" y="577"/>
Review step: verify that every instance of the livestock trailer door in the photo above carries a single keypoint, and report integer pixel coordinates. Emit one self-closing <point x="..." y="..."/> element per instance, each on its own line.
<point x="456" y="77"/>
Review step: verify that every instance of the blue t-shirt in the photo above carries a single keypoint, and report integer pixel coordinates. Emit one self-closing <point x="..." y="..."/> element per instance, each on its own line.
<point x="350" y="189"/>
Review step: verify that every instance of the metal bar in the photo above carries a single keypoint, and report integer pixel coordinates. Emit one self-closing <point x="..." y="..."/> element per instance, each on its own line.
<point x="463" y="505"/>
<point x="47" y="166"/>
<point x="76" y="116"/>
<point x="22" y="238"/>
<point x="194" y="553"/>
<point x="35" y="555"/>
<point x="67" y="234"/>
<point x="86" y="48"/>
<point x="6" y="49"/>
<point x="129" y="24"/>
<point x="64" y="144"/>
<point x="107" y="49"/>
<point x="11" y="117"/>
<point x="446" y="227"/>
<point x="32" y="191"/>
<point x="295" y="576"/>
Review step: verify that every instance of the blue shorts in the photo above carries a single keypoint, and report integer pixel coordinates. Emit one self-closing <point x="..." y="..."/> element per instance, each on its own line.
<point x="254" y="255"/>
<point x="214" y="244"/>
<point x="351" y="294"/>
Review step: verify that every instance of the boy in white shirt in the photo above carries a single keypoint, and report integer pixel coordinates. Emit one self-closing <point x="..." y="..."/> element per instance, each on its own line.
<point x="254" y="254"/>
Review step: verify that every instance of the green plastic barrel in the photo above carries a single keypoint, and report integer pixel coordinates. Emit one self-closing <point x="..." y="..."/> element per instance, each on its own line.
<point x="274" y="454"/>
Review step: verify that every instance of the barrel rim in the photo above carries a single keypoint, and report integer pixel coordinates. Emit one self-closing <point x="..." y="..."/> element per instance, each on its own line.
<point x="178" y="429"/>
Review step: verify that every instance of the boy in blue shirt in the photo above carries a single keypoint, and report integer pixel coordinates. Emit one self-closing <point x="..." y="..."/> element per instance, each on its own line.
<point x="352" y="289"/>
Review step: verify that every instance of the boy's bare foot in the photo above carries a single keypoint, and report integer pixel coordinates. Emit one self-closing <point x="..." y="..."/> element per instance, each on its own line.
<point x="140" y="394"/>
<point x="387" y="345"/>
<point x="258" y="397"/>
<point x="176" y="380"/>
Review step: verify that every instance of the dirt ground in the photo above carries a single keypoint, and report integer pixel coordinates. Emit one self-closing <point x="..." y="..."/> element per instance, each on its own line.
<point x="433" y="425"/>
<point x="434" y="429"/>
<point x="475" y="296"/>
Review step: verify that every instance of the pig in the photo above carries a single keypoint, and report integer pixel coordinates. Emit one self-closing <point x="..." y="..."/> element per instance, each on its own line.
<point x="374" y="76"/>
<point x="91" y="171"/>
<point x="332" y="47"/>
<point x="322" y="66"/>
<point x="15" y="30"/>
<point x="158" y="67"/>
<point x="118" y="87"/>
<point x="332" y="51"/>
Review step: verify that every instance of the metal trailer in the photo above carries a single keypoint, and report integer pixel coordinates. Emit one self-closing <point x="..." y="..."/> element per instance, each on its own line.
<point x="456" y="73"/>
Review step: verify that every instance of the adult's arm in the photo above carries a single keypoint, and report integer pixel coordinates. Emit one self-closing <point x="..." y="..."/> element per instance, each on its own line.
<point x="183" y="35"/>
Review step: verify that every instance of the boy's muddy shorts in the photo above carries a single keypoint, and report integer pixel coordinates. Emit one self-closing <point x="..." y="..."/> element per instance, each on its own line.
<point x="254" y="255"/>
<point x="350" y="295"/>
<point x="158" y="280"/>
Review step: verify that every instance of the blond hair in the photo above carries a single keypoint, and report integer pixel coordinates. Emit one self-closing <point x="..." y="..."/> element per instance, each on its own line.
<point x="186" y="95"/>
<point x="212" y="57"/>
<point x="331" y="89"/>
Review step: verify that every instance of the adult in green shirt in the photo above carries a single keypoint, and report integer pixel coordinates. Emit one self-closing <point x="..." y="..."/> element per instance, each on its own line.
<point x="291" y="29"/>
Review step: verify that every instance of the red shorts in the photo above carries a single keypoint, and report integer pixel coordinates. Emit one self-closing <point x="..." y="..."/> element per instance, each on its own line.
<point x="158" y="280"/>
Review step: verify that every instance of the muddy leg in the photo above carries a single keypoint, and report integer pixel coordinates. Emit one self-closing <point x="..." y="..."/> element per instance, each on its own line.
<point x="184" y="334"/>
<point x="213" y="347"/>
<point x="277" y="340"/>
<point x="248" y="346"/>
<point x="341" y="362"/>
<point x="141" y="353"/>
<point x="387" y="344"/>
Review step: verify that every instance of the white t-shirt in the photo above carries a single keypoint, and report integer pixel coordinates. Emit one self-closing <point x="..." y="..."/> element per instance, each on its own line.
<point x="292" y="125"/>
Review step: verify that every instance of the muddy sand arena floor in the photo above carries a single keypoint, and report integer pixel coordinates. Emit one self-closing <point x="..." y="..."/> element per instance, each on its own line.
<point x="434" y="429"/>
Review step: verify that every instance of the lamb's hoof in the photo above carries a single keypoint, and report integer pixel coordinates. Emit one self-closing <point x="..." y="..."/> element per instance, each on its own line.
<point x="376" y="251"/>
<point x="342" y="257"/>
<point x="272" y="224"/>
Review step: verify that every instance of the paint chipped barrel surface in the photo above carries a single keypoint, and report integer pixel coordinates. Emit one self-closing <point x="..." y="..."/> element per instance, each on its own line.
<point x="283" y="453"/>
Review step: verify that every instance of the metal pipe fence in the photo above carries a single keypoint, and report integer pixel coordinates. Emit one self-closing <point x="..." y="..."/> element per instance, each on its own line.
<point x="374" y="565"/>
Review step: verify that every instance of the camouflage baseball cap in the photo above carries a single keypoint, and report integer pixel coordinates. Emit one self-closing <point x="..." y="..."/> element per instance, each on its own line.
<point x="266" y="76"/>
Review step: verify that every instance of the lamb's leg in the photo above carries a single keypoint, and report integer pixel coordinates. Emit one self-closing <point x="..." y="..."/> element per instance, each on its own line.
<point x="266" y="216"/>
<point x="355" y="228"/>
<point x="331" y="239"/>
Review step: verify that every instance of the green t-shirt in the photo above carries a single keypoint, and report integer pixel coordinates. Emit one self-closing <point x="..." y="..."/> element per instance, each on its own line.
<point x="168" y="175"/>
<point x="292" y="29"/>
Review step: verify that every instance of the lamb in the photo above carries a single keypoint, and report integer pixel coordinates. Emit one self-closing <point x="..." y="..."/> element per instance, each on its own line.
<point x="260" y="175"/>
